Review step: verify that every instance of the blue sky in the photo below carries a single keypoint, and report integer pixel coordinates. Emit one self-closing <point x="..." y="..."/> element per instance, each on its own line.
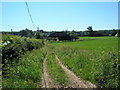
<point x="58" y="16"/>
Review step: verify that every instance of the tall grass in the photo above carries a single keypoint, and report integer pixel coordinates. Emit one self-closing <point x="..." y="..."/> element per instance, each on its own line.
<point x="27" y="73"/>
<point x="19" y="62"/>
<point x="94" y="60"/>
<point x="54" y="69"/>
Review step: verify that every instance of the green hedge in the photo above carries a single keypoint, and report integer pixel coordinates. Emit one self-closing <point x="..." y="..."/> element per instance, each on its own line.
<point x="15" y="46"/>
<point x="27" y="73"/>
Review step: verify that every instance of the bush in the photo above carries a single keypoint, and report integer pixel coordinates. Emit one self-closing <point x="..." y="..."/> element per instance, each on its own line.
<point x="15" y="46"/>
<point x="27" y="73"/>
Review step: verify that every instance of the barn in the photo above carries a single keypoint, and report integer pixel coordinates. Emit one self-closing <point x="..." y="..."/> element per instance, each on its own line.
<point x="61" y="36"/>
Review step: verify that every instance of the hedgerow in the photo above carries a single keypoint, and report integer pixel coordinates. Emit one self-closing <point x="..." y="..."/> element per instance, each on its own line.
<point x="15" y="46"/>
<point x="22" y="60"/>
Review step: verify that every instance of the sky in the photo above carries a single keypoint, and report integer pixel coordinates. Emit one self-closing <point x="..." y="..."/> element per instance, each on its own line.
<point x="59" y="16"/>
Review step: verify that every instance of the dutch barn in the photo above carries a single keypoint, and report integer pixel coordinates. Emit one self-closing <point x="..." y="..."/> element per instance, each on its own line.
<point x="61" y="36"/>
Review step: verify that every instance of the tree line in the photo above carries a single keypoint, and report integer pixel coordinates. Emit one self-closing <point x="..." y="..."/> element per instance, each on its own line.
<point x="40" y="34"/>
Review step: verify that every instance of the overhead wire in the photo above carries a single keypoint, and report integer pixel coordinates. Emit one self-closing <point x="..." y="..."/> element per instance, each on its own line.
<point x="30" y="14"/>
<point x="20" y="26"/>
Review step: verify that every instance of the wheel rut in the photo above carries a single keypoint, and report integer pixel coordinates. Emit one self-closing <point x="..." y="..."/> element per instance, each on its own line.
<point x="47" y="82"/>
<point x="74" y="81"/>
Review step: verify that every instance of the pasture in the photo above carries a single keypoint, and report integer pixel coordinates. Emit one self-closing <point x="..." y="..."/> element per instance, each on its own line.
<point x="92" y="43"/>
<point x="92" y="58"/>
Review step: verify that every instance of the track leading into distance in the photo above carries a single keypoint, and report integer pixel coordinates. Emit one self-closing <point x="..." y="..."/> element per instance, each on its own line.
<point x="74" y="81"/>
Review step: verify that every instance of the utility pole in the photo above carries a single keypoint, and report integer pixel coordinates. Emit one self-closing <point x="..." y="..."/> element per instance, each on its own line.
<point x="11" y="31"/>
<point x="37" y="29"/>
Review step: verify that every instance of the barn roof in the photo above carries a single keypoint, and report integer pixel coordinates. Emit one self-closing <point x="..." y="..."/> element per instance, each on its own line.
<point x="58" y="34"/>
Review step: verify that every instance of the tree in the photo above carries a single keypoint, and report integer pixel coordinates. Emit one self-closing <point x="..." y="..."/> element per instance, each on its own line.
<point x="27" y="33"/>
<point x="114" y="32"/>
<point x="73" y="34"/>
<point x="118" y="33"/>
<point x="90" y="30"/>
<point x="38" y="35"/>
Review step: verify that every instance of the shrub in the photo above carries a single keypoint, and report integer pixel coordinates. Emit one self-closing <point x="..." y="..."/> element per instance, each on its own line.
<point x="14" y="46"/>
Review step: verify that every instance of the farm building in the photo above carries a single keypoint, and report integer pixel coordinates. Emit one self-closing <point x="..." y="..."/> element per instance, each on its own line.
<point x="61" y="36"/>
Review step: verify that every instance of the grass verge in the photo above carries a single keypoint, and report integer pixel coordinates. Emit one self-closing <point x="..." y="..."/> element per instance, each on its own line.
<point x="27" y="73"/>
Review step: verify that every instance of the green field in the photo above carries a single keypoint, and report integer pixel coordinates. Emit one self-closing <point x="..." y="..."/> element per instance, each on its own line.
<point x="93" y="59"/>
<point x="92" y="43"/>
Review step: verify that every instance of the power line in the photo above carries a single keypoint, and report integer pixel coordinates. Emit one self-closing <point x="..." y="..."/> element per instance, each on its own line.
<point x="30" y="15"/>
